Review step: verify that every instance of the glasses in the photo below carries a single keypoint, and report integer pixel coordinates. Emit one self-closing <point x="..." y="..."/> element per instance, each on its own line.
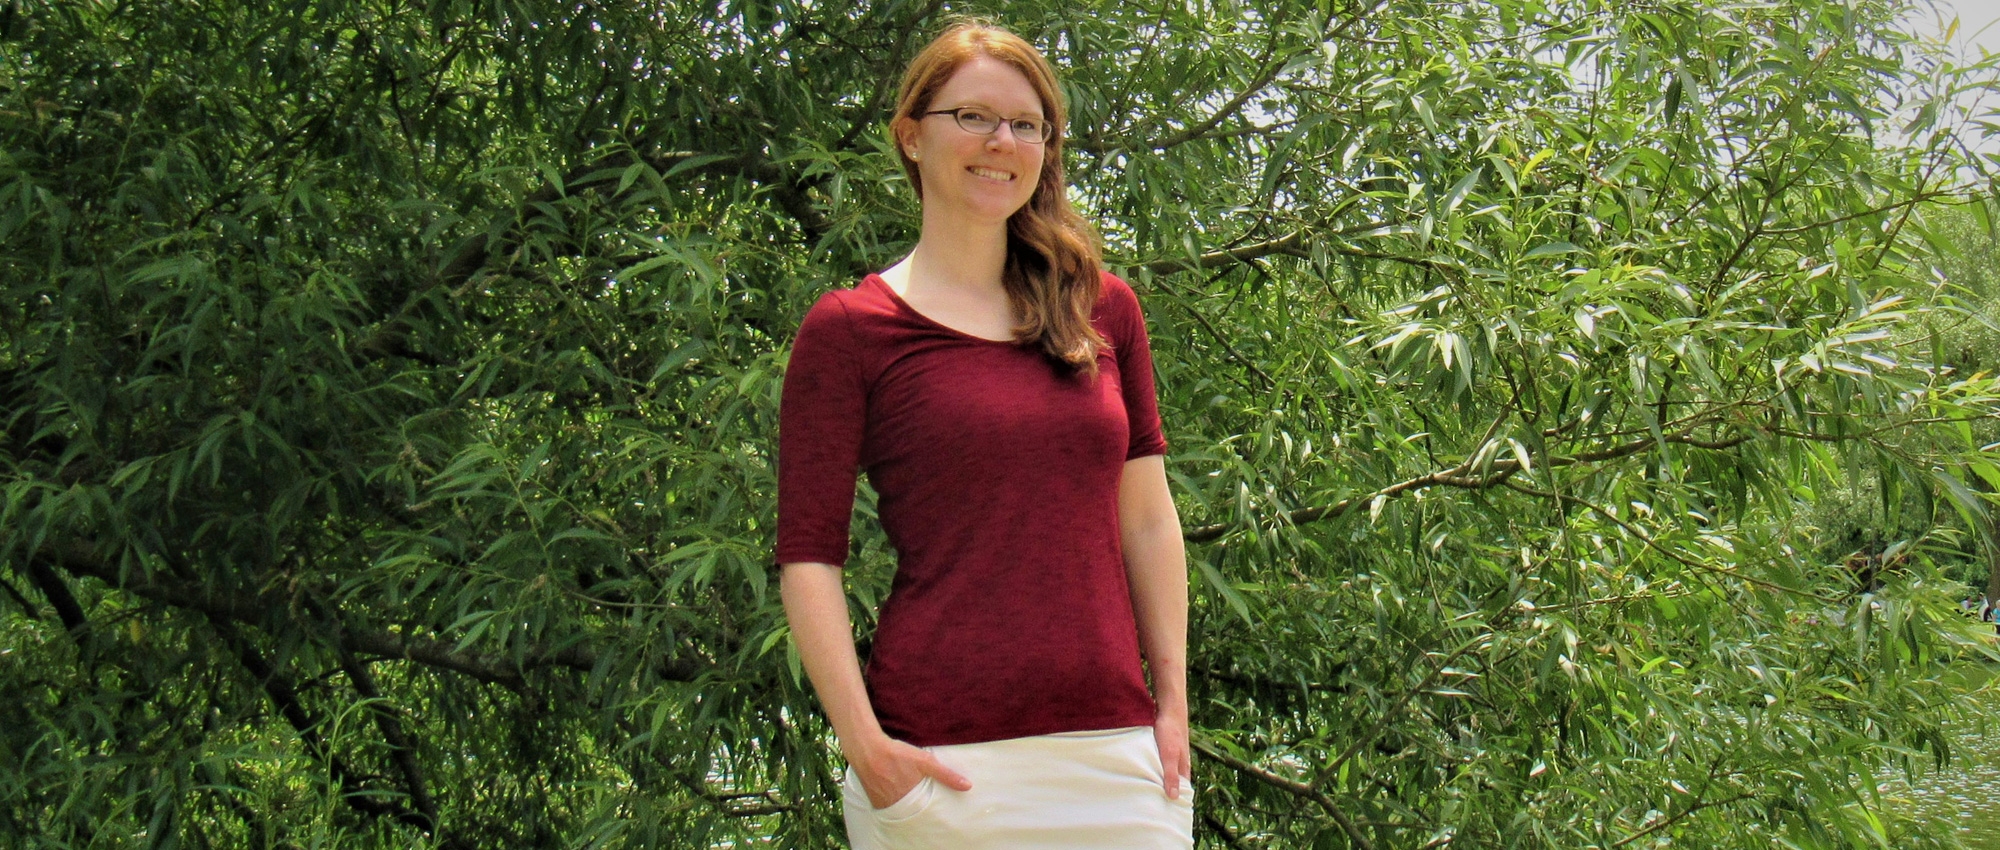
<point x="981" y="122"/>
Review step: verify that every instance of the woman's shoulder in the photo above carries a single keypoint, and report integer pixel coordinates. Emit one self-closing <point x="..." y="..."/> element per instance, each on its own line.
<point x="1117" y="303"/>
<point x="850" y="306"/>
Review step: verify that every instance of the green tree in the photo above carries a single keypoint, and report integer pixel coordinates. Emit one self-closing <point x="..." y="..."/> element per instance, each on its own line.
<point x="390" y="389"/>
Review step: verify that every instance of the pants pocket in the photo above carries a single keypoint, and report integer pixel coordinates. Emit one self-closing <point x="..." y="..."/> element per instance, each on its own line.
<point x="911" y="804"/>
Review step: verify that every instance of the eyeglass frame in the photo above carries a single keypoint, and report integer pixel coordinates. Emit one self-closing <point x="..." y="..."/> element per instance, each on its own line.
<point x="1048" y="127"/>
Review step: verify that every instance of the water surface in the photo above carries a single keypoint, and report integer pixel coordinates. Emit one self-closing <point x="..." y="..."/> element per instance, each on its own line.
<point x="1966" y="793"/>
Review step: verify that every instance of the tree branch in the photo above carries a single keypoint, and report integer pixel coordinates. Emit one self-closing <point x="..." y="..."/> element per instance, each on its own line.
<point x="1394" y="712"/>
<point x="1216" y="825"/>
<point x="735" y="805"/>
<point x="1671" y="820"/>
<point x="1461" y="476"/>
<point x="1921" y="197"/>
<point x="1290" y="786"/>
<point x="891" y="59"/>
<point x="1654" y="545"/>
<point x="1272" y="67"/>
<point x="1291" y="244"/>
<point x="1223" y="339"/>
<point x="390" y="337"/>
<point x="27" y="608"/>
<point x="402" y="751"/>
<point x="57" y="592"/>
<point x="80" y="559"/>
<point x="1287" y="244"/>
<point x="286" y="699"/>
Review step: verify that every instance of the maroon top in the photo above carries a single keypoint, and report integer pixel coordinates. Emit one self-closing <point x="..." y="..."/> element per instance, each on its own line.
<point x="998" y="477"/>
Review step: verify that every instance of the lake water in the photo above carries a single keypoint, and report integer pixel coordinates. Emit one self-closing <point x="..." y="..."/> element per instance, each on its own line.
<point x="1966" y="793"/>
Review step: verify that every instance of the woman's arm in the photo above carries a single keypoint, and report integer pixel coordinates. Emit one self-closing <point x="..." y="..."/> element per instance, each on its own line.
<point x="1149" y="530"/>
<point x="816" y="606"/>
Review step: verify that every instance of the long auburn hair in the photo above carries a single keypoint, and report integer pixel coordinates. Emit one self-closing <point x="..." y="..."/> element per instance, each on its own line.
<point x="1051" y="274"/>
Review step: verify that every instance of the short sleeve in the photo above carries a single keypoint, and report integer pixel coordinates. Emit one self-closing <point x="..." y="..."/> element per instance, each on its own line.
<point x="1134" y="353"/>
<point x="821" y="417"/>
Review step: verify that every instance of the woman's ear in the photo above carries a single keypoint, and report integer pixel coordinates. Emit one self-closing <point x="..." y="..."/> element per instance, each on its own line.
<point x="903" y="132"/>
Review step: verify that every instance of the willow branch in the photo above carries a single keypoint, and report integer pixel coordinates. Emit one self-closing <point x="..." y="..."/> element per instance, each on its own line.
<point x="1216" y="826"/>
<point x="1286" y="244"/>
<point x="1679" y="815"/>
<point x="80" y="559"/>
<point x="1462" y="476"/>
<point x="1272" y="67"/>
<point x="1396" y="711"/>
<point x="734" y="805"/>
<point x="1290" y="786"/>
<point x="28" y="609"/>
<point x="1223" y="339"/>
<point x="402" y="751"/>
<point x="390" y="337"/>
<point x="285" y="698"/>
<point x="890" y="59"/>
<point x="1654" y="545"/>
<point x="57" y="592"/>
<point x="1919" y="198"/>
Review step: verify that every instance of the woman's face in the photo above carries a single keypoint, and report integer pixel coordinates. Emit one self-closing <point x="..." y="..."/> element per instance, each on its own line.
<point x="987" y="177"/>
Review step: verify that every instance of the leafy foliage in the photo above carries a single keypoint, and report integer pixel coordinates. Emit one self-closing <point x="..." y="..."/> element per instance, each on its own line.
<point x="390" y="393"/>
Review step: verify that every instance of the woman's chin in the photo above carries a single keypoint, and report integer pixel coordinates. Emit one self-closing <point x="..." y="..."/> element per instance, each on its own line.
<point x="988" y="212"/>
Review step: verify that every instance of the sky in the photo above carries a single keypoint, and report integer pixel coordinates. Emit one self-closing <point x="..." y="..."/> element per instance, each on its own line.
<point x="1978" y="28"/>
<point x="1973" y="15"/>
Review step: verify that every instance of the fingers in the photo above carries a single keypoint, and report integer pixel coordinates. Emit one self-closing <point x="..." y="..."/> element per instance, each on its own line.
<point x="1178" y="761"/>
<point x="951" y="778"/>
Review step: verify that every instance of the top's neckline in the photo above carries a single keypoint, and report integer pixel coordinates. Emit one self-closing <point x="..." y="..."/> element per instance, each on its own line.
<point x="905" y="307"/>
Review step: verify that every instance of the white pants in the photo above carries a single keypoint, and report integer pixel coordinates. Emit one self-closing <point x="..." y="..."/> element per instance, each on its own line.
<point x="1099" y="789"/>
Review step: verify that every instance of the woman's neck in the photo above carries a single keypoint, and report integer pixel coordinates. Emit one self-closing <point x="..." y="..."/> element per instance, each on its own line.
<point x="969" y="258"/>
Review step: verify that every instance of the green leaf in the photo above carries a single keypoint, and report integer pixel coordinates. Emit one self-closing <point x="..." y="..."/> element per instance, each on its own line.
<point x="1229" y="593"/>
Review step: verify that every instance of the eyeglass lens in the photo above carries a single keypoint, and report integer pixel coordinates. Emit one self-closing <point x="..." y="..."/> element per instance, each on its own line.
<point x="983" y="123"/>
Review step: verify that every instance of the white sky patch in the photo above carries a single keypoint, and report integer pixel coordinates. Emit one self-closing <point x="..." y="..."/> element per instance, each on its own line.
<point x="1977" y="35"/>
<point x="1977" y="27"/>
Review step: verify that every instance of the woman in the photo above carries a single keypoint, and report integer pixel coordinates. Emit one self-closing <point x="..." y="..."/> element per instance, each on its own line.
<point x="997" y="386"/>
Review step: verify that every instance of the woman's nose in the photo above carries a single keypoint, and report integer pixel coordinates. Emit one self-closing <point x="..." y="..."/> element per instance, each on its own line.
<point x="993" y="138"/>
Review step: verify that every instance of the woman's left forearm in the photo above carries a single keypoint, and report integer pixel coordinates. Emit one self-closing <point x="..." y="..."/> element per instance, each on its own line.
<point x="1149" y="530"/>
<point x="1156" y="570"/>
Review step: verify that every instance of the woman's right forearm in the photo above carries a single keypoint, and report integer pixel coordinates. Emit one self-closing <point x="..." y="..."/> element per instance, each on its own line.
<point x="816" y="606"/>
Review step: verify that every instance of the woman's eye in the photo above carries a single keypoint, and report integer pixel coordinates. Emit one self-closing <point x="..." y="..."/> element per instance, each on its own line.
<point x="1027" y="127"/>
<point x="975" y="116"/>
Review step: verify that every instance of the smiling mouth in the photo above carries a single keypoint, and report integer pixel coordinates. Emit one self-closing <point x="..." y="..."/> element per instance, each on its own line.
<point x="991" y="173"/>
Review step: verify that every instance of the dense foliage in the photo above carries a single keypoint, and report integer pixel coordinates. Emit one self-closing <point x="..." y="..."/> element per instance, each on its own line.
<point x="389" y="392"/>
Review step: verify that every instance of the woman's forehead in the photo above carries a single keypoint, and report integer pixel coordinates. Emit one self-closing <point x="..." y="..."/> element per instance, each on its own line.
<point x="986" y="81"/>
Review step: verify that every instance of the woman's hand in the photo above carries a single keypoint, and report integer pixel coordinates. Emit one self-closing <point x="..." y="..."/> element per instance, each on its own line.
<point x="816" y="607"/>
<point x="1170" y="731"/>
<point x="889" y="769"/>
